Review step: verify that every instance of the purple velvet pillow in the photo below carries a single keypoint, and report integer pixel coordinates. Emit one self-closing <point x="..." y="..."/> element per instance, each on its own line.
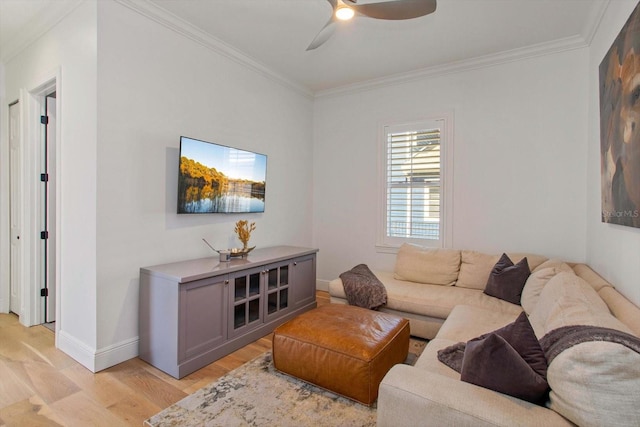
<point x="508" y="360"/>
<point x="507" y="280"/>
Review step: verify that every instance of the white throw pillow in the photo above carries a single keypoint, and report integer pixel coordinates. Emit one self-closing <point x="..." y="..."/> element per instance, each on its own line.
<point x="536" y="282"/>
<point x="568" y="300"/>
<point x="593" y="383"/>
<point x="596" y="383"/>
<point x="423" y="265"/>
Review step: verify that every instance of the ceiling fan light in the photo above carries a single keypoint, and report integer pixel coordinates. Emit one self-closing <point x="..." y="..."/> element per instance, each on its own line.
<point x="344" y="13"/>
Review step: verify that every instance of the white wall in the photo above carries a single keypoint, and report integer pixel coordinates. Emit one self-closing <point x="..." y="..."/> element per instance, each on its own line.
<point x="519" y="160"/>
<point x="70" y="50"/>
<point x="153" y="86"/>
<point x="612" y="250"/>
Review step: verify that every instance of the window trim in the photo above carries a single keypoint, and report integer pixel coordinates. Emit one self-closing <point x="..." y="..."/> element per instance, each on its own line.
<point x="391" y="245"/>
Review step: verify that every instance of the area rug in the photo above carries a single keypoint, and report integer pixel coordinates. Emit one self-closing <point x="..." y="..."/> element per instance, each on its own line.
<point x="255" y="394"/>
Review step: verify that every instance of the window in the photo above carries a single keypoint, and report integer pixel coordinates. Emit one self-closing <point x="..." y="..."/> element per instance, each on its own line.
<point x="413" y="171"/>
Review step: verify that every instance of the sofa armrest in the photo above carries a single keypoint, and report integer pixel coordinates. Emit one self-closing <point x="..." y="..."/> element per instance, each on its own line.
<point x="409" y="396"/>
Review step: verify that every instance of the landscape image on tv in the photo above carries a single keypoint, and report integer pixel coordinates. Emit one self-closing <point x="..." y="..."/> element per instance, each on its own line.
<point x="214" y="178"/>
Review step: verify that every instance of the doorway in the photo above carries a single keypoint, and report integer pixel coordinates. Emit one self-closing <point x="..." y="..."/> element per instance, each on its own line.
<point x="47" y="235"/>
<point x="33" y="202"/>
<point x="15" y="211"/>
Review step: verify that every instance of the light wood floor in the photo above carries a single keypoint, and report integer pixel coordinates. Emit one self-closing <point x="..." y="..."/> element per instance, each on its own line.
<point x="42" y="386"/>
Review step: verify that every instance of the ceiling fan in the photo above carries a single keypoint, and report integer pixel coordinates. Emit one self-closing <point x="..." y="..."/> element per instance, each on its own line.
<point x="343" y="10"/>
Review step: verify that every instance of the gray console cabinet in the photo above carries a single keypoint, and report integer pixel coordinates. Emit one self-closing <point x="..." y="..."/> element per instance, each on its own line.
<point x="195" y="312"/>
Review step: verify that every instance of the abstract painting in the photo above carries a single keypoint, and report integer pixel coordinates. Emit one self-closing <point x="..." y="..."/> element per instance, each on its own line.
<point x="620" y="126"/>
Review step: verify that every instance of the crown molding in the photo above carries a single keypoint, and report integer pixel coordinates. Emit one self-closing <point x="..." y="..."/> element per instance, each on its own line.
<point x="37" y="27"/>
<point x="593" y="21"/>
<point x="43" y="22"/>
<point x="542" y="49"/>
<point x="190" y="31"/>
<point x="588" y="32"/>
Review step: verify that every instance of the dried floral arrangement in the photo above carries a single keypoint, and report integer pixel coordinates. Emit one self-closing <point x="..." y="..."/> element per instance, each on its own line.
<point x="243" y="230"/>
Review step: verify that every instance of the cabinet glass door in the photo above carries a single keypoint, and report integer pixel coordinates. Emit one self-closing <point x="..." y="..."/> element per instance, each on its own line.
<point x="246" y="301"/>
<point x="277" y="278"/>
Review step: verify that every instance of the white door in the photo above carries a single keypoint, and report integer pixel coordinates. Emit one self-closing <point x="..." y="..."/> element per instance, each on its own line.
<point x="15" y="214"/>
<point x="49" y="258"/>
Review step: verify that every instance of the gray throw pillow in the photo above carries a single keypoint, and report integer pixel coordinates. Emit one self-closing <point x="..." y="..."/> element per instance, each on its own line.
<point x="507" y="280"/>
<point x="509" y="360"/>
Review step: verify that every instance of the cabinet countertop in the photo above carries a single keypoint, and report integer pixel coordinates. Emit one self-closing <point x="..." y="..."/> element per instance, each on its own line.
<point x="202" y="268"/>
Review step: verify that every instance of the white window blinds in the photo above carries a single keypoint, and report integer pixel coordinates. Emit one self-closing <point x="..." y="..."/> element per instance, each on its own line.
<point x="413" y="181"/>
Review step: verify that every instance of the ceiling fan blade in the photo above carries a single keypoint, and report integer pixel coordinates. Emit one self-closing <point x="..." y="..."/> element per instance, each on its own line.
<point x="394" y="10"/>
<point x="325" y="33"/>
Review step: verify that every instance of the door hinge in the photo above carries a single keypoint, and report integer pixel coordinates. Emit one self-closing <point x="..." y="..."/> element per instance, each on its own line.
<point x="44" y="235"/>
<point x="44" y="177"/>
<point x="44" y="120"/>
<point x="44" y="292"/>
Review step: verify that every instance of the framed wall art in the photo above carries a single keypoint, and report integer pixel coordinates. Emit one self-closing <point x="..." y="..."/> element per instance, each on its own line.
<point x="620" y="126"/>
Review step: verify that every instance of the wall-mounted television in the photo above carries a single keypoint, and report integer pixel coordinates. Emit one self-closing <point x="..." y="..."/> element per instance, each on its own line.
<point x="214" y="178"/>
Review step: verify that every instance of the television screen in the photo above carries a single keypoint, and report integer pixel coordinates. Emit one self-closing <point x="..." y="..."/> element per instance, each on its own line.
<point x="214" y="178"/>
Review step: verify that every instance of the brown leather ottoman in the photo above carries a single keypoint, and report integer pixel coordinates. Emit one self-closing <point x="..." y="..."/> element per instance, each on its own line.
<point x="342" y="348"/>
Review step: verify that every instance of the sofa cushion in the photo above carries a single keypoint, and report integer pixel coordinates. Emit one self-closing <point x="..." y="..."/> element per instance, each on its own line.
<point x="428" y="360"/>
<point x="536" y="282"/>
<point x="507" y="280"/>
<point x="592" y="383"/>
<point x="423" y="265"/>
<point x="568" y="300"/>
<point x="433" y="300"/>
<point x="596" y="383"/>
<point x="475" y="267"/>
<point x="467" y="322"/>
<point x="553" y="262"/>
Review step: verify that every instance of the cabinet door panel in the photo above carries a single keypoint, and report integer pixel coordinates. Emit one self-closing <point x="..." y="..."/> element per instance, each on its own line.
<point x="203" y="314"/>
<point x="303" y="281"/>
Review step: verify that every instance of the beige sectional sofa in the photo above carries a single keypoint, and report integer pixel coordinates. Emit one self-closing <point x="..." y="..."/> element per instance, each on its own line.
<point x="441" y="293"/>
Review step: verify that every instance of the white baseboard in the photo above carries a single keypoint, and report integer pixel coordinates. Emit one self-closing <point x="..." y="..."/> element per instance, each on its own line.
<point x="322" y="285"/>
<point x="78" y="350"/>
<point x="97" y="360"/>
<point x="116" y="353"/>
